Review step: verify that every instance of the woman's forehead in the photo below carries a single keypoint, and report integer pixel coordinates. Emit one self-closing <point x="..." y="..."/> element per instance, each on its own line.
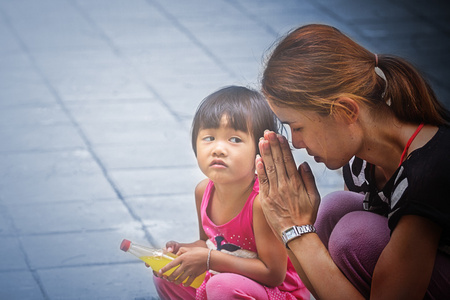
<point x="287" y="115"/>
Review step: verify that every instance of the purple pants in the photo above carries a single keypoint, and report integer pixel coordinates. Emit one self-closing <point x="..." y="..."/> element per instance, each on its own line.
<point x="355" y="239"/>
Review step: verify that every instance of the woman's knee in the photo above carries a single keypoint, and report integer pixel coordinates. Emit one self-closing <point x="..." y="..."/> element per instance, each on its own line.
<point x="356" y="244"/>
<point x="332" y="208"/>
<point x="344" y="201"/>
<point x="360" y="231"/>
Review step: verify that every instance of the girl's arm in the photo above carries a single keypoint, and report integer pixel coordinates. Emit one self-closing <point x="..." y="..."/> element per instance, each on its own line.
<point x="269" y="268"/>
<point x="173" y="246"/>
<point x="271" y="251"/>
<point x="199" y="191"/>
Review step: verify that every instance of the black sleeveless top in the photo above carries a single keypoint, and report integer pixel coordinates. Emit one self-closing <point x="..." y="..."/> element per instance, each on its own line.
<point x="420" y="186"/>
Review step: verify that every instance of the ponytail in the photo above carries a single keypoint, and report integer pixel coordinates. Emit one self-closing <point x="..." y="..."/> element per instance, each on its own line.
<point x="409" y="95"/>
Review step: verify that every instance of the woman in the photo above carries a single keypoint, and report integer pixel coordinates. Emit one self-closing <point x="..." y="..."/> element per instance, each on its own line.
<point x="375" y="116"/>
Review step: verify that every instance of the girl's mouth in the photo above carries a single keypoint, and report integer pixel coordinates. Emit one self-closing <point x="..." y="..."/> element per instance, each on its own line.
<point x="217" y="163"/>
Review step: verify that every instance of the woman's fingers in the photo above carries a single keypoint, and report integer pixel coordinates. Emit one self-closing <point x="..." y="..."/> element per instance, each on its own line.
<point x="288" y="195"/>
<point x="279" y="167"/>
<point x="262" y="176"/>
<point x="308" y="179"/>
<point x="288" y="158"/>
<point x="310" y="187"/>
<point x="270" y="176"/>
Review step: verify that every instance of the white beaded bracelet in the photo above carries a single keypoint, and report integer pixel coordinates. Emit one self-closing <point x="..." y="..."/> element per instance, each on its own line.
<point x="209" y="258"/>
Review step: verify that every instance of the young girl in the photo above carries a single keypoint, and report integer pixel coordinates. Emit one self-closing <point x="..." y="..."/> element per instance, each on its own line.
<point x="235" y="239"/>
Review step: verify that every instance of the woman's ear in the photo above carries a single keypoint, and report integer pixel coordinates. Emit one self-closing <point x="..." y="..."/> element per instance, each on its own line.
<point x="346" y="109"/>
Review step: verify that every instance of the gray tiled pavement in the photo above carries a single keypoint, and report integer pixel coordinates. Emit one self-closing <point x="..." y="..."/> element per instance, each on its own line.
<point x="96" y="100"/>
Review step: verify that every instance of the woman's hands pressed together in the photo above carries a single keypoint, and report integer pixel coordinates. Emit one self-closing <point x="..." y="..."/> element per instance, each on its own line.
<point x="289" y="196"/>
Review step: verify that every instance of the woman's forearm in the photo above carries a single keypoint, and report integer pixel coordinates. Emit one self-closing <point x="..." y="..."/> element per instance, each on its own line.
<point x="325" y="278"/>
<point x="301" y="273"/>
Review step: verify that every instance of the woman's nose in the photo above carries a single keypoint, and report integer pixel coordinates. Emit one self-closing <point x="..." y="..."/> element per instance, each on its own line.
<point x="297" y="142"/>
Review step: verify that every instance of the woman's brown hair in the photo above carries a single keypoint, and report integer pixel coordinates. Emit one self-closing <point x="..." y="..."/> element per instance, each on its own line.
<point x="315" y="65"/>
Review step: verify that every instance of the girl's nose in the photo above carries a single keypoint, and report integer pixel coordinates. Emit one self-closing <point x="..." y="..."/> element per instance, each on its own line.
<point x="219" y="149"/>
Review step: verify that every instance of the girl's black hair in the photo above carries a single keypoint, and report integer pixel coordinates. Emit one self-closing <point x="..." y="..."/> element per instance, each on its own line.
<point x="246" y="110"/>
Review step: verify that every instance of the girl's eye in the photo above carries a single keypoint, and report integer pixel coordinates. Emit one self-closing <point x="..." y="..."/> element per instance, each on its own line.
<point x="235" y="140"/>
<point x="208" y="138"/>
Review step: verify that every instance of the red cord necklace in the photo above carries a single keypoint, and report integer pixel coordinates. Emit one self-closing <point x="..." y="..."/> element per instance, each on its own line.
<point x="411" y="139"/>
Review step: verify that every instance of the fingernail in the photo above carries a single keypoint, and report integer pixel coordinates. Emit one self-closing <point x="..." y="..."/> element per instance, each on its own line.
<point x="280" y="138"/>
<point x="272" y="136"/>
<point x="306" y="167"/>
<point x="259" y="163"/>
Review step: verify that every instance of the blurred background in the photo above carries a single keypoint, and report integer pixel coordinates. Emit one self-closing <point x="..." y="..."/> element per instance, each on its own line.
<point x="96" y="101"/>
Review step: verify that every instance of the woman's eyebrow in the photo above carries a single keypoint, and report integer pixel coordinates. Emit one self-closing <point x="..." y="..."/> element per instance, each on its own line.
<point x="286" y="122"/>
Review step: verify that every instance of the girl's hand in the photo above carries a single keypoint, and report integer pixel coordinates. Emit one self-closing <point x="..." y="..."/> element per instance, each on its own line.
<point x="288" y="196"/>
<point x="172" y="246"/>
<point x="192" y="263"/>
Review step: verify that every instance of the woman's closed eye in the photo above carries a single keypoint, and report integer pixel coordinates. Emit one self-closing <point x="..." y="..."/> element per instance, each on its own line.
<point x="293" y="128"/>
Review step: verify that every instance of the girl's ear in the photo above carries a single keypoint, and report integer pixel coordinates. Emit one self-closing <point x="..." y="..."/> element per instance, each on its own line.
<point x="345" y="109"/>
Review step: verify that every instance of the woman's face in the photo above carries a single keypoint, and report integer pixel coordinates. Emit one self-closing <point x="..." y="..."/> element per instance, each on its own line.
<point x="328" y="139"/>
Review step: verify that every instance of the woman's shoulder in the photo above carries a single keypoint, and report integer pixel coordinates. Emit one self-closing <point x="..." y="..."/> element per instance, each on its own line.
<point x="442" y="136"/>
<point x="441" y="139"/>
<point x="434" y="154"/>
<point x="442" y="132"/>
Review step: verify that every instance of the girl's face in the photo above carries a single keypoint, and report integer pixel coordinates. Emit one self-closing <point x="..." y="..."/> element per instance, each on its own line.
<point x="326" y="138"/>
<point x="226" y="155"/>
